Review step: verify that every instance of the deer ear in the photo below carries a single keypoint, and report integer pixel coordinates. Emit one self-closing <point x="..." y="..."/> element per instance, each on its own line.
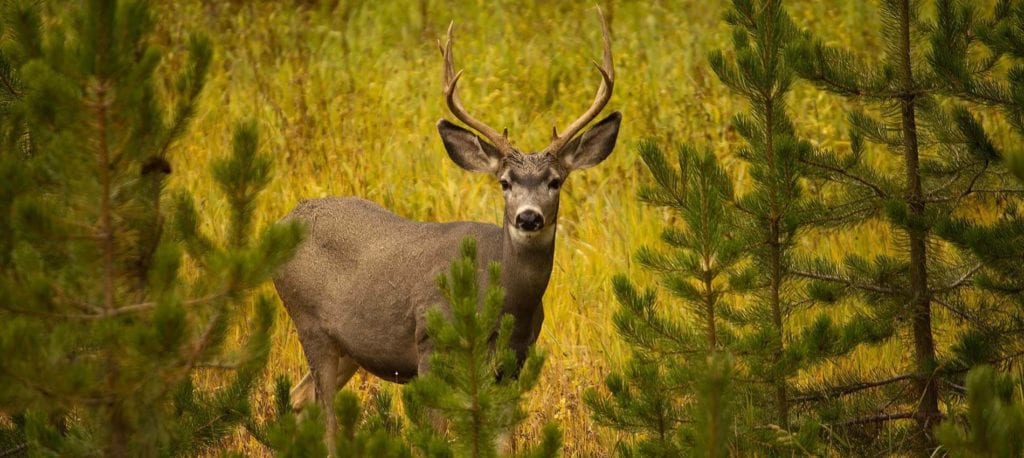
<point x="467" y="150"/>
<point x="593" y="146"/>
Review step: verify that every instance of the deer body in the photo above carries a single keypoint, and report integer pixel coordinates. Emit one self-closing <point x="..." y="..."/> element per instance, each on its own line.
<point x="359" y="287"/>
<point x="365" y="278"/>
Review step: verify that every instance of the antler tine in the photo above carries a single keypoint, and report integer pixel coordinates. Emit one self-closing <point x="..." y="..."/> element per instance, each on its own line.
<point x="604" y="93"/>
<point x="451" y="95"/>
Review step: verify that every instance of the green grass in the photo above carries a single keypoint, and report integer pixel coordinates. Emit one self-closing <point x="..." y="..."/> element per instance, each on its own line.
<point x="347" y="100"/>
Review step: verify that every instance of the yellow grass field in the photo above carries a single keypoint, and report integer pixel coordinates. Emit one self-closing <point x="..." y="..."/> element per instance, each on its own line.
<point x="347" y="97"/>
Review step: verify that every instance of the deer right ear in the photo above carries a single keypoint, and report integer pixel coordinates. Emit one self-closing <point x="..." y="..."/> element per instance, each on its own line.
<point x="467" y="150"/>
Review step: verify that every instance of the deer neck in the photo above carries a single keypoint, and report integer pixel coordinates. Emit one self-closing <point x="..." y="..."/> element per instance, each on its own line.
<point x="525" y="270"/>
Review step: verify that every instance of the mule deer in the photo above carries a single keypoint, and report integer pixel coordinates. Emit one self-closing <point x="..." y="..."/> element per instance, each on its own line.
<point x="359" y="287"/>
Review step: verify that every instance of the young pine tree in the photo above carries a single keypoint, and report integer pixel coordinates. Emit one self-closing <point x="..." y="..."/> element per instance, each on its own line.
<point x="473" y="383"/>
<point x="940" y="166"/>
<point x="107" y="311"/>
<point x="674" y="393"/>
<point x="774" y="209"/>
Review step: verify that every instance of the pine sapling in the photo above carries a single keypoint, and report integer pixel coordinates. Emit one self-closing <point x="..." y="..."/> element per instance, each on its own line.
<point x="653" y="398"/>
<point x="473" y="383"/>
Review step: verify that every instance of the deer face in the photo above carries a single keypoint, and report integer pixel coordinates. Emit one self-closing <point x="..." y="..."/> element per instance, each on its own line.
<point x="530" y="183"/>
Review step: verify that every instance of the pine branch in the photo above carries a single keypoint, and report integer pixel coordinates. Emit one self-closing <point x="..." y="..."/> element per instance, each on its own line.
<point x="956" y="311"/>
<point x="882" y="418"/>
<point x="14" y="451"/>
<point x="9" y="86"/>
<point x="860" y="180"/>
<point x="217" y="365"/>
<point x="850" y="389"/>
<point x="834" y="218"/>
<point x="955" y="387"/>
<point x="71" y="398"/>
<point x="968" y="275"/>
<point x="104" y="314"/>
<point x="143" y="306"/>
<point x="844" y="281"/>
<point x="36" y="313"/>
<point x="966" y="192"/>
<point x="198" y="347"/>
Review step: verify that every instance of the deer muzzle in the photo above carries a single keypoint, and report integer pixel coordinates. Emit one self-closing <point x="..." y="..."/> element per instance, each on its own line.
<point x="529" y="220"/>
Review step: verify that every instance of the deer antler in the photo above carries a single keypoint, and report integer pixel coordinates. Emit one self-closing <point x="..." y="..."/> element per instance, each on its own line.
<point x="604" y="93"/>
<point x="451" y="79"/>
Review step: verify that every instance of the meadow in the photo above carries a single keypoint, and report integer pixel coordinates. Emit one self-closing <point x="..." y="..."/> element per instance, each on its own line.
<point x="347" y="94"/>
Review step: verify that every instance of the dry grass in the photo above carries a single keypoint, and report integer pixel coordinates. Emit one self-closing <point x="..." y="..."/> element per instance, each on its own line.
<point x="347" y="100"/>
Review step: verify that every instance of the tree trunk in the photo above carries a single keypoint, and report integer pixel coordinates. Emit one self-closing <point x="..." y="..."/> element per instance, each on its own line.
<point x="781" y="396"/>
<point x="920" y="305"/>
<point x="709" y="305"/>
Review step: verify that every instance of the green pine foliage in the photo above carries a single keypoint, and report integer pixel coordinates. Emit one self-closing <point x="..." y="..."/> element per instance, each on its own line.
<point x="288" y="434"/>
<point x="774" y="210"/>
<point x="993" y="423"/>
<point x="377" y="434"/>
<point x="916" y="163"/>
<point x="673" y="394"/>
<point x="473" y="384"/>
<point x="979" y="56"/>
<point x="113" y="297"/>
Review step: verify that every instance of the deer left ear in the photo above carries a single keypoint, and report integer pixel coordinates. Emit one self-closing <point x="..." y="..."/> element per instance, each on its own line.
<point x="467" y="150"/>
<point x="593" y="146"/>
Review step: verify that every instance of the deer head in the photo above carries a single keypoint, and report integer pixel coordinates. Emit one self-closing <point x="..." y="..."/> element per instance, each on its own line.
<point x="530" y="183"/>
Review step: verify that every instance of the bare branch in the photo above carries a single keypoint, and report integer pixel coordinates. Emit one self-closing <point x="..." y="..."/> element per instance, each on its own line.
<point x="845" y="281"/>
<point x="881" y="418"/>
<point x="849" y="389"/>
<point x="960" y="281"/>
<point x="103" y="314"/>
<point x="966" y="192"/>
<point x="956" y="311"/>
<point x="856" y="179"/>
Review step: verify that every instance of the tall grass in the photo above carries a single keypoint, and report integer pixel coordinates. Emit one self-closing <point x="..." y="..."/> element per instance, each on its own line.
<point x="347" y="96"/>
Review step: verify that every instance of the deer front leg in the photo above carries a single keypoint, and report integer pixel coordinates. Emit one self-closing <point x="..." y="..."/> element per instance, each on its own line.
<point x="325" y="376"/>
<point x="326" y="363"/>
<point x="304" y="392"/>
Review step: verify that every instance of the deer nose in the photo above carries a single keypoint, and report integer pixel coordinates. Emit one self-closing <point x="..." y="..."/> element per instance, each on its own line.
<point x="529" y="220"/>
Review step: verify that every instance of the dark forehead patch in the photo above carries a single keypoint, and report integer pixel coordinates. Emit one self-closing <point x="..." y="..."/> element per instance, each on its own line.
<point x="531" y="164"/>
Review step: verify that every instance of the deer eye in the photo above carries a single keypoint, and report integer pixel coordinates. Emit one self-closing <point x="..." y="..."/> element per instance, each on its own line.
<point x="504" y="185"/>
<point x="555" y="184"/>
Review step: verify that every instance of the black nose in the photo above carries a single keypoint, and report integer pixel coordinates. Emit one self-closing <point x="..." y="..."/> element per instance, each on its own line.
<point x="529" y="220"/>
